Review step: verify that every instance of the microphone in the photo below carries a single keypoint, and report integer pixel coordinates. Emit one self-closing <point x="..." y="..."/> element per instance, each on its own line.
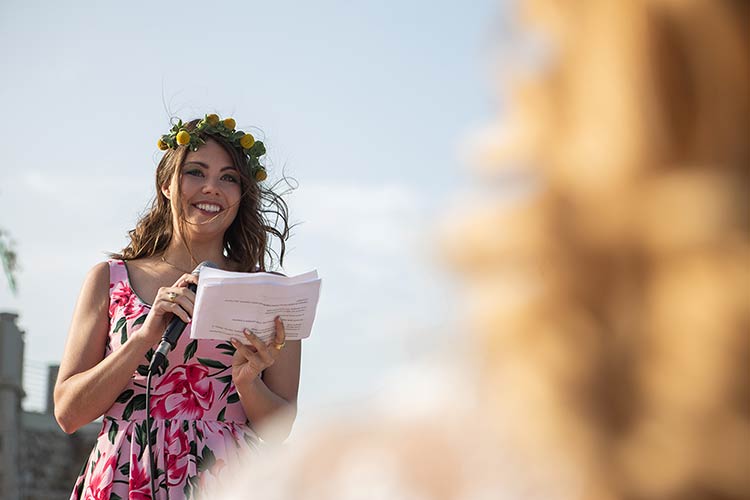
<point x="174" y="329"/>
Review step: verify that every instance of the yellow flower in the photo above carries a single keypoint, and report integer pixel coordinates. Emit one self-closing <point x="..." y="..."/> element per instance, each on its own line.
<point x="162" y="145"/>
<point x="247" y="141"/>
<point x="229" y="123"/>
<point x="183" y="137"/>
<point x="260" y="175"/>
<point x="212" y="119"/>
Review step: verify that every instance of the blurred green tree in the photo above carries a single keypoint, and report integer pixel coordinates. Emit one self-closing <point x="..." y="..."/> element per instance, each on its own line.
<point x="8" y="258"/>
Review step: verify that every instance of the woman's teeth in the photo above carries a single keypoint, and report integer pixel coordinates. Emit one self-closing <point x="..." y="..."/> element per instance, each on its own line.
<point x="208" y="207"/>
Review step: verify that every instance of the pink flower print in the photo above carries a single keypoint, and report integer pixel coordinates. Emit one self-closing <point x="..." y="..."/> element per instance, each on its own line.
<point x="122" y="296"/>
<point x="139" y="483"/>
<point x="178" y="449"/>
<point x="100" y="482"/>
<point x="184" y="391"/>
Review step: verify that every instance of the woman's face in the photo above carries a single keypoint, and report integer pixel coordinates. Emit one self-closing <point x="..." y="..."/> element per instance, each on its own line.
<point x="209" y="191"/>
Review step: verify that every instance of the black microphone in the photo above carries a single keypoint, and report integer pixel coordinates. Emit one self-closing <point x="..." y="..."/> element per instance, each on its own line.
<point x="174" y="329"/>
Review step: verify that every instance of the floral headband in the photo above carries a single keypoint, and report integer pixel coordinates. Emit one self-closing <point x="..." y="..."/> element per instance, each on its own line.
<point x="211" y="124"/>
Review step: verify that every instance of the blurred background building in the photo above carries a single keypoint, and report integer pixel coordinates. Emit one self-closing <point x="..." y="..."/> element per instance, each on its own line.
<point x="38" y="461"/>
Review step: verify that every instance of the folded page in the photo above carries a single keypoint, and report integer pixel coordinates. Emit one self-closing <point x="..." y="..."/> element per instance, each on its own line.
<point x="210" y="273"/>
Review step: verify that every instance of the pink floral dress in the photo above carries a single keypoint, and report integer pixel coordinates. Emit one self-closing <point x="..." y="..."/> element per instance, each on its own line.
<point x="198" y="423"/>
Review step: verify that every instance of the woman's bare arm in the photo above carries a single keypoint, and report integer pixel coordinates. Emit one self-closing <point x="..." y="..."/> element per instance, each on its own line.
<point x="87" y="383"/>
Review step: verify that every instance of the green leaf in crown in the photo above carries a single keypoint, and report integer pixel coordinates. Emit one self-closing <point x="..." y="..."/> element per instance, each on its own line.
<point x="258" y="149"/>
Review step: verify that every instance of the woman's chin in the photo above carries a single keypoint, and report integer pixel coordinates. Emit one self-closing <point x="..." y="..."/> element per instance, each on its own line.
<point x="201" y="230"/>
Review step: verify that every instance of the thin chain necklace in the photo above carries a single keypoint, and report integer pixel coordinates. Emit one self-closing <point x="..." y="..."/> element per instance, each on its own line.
<point x="172" y="265"/>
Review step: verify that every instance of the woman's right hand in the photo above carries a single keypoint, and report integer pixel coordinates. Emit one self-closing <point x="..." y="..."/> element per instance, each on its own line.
<point x="176" y="300"/>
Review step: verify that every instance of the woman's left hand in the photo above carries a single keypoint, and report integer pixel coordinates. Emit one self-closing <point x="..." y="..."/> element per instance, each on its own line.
<point x="250" y="359"/>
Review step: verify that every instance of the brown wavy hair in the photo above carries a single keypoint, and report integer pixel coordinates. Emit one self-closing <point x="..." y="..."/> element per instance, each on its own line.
<point x="262" y="215"/>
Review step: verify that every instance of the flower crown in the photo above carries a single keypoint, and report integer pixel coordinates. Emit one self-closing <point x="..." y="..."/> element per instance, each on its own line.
<point x="212" y="125"/>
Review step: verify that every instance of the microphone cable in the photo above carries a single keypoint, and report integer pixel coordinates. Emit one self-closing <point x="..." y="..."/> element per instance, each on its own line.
<point x="158" y="363"/>
<point x="151" y="465"/>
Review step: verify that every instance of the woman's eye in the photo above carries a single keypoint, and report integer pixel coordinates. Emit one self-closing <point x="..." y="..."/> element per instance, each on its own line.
<point x="230" y="178"/>
<point x="194" y="171"/>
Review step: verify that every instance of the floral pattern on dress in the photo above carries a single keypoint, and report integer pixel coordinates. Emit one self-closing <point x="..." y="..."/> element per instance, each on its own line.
<point x="198" y="423"/>
<point x="186" y="390"/>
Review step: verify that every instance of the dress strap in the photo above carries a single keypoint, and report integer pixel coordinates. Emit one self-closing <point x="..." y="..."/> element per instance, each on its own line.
<point x="117" y="272"/>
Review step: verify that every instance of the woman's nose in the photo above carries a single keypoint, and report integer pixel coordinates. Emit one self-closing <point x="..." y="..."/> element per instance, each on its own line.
<point x="211" y="185"/>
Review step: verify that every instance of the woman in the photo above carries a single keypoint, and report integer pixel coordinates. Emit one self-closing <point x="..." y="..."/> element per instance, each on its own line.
<point x="210" y="404"/>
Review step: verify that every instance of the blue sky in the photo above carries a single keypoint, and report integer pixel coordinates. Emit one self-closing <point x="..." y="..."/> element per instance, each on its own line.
<point x="366" y="104"/>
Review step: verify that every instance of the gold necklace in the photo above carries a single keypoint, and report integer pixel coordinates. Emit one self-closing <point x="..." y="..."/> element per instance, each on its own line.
<point x="172" y="265"/>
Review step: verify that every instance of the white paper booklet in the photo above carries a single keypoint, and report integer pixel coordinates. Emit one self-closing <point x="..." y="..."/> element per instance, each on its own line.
<point x="228" y="302"/>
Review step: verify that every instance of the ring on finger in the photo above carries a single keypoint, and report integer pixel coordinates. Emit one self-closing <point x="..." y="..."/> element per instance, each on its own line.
<point x="171" y="296"/>
<point x="279" y="346"/>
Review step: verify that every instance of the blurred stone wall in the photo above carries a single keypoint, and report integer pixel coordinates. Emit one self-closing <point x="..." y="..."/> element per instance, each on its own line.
<point x="38" y="461"/>
<point x="50" y="459"/>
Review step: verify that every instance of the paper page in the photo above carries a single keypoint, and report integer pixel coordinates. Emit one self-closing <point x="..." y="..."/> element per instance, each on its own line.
<point x="213" y="273"/>
<point x="262" y="278"/>
<point x="223" y="310"/>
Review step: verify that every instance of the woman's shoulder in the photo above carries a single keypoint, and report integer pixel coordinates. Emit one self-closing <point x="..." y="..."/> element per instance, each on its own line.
<point x="102" y="274"/>
<point x="96" y="283"/>
<point x="99" y="272"/>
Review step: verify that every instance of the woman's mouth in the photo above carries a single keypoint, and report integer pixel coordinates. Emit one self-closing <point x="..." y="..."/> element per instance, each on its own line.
<point x="208" y="208"/>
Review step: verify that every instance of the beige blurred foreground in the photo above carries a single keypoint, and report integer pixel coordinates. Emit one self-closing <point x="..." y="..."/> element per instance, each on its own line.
<point x="610" y="308"/>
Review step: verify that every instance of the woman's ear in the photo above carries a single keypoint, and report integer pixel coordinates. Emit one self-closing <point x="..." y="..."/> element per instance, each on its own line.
<point x="166" y="191"/>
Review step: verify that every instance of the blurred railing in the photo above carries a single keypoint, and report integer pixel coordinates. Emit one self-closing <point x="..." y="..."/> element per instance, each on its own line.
<point x="38" y="384"/>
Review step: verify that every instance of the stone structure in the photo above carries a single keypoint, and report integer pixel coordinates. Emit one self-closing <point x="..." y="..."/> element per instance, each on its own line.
<point x="37" y="460"/>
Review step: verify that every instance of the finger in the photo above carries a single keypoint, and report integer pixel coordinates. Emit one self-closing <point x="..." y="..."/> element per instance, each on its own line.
<point x="278" y="342"/>
<point x="186" y="304"/>
<point x="182" y="296"/>
<point x="253" y="339"/>
<point x="244" y="351"/>
<point x="175" y="296"/>
<point x="178" y="311"/>
<point x="184" y="280"/>
<point x="262" y="348"/>
<point x="280" y="335"/>
<point x="186" y="299"/>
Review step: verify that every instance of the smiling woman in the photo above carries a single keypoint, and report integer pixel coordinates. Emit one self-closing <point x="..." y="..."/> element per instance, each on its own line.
<point x="210" y="405"/>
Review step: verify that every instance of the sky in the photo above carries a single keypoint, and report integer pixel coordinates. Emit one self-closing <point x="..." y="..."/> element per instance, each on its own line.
<point x="364" y="104"/>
